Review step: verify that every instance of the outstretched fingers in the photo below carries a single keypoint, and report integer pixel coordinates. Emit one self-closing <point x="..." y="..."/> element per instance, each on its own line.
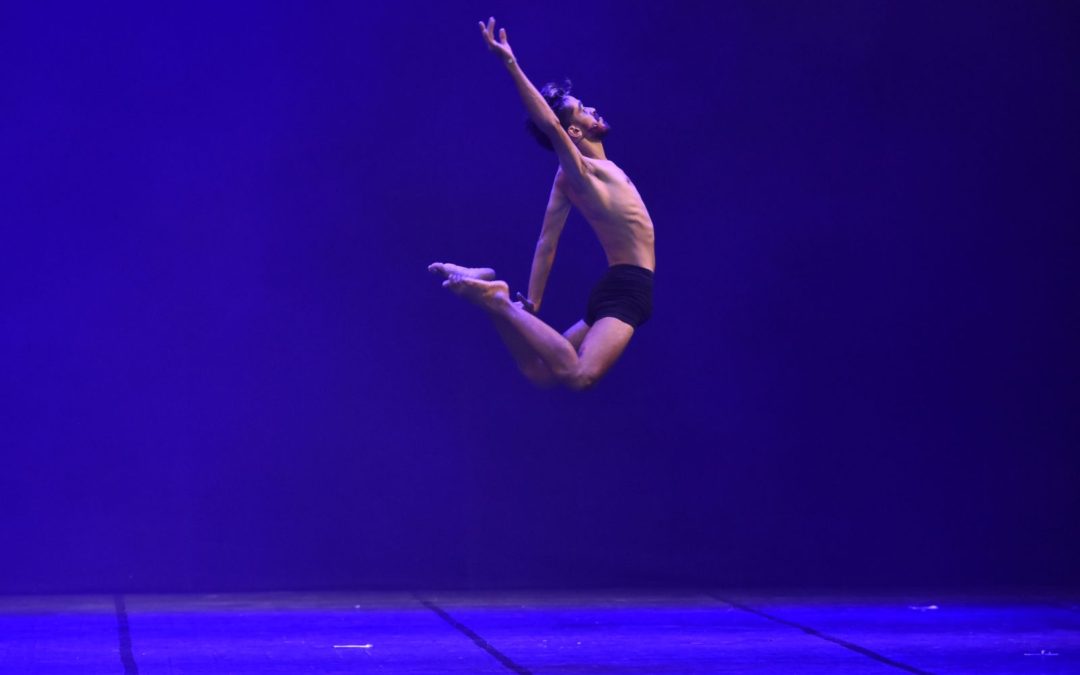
<point x="488" y="31"/>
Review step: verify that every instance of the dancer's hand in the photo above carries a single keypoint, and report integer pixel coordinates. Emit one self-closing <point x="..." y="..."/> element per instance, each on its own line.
<point x="526" y="304"/>
<point x="500" y="46"/>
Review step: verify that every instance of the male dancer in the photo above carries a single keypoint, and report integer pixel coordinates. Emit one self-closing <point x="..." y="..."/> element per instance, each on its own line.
<point x="588" y="180"/>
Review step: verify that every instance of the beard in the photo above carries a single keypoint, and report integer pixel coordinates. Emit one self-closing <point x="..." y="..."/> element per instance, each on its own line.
<point x="598" y="130"/>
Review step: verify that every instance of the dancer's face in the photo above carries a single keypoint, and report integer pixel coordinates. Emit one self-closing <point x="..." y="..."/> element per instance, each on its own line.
<point x="585" y="122"/>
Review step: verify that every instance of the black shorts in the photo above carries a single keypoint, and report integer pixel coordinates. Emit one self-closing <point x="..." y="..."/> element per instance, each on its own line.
<point x="625" y="292"/>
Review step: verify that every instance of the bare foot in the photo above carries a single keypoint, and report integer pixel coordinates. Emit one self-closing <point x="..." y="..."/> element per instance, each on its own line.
<point x="446" y="269"/>
<point x="488" y="294"/>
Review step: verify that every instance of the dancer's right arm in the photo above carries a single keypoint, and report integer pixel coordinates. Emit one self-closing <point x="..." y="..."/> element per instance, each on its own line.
<point x="540" y="112"/>
<point x="558" y="209"/>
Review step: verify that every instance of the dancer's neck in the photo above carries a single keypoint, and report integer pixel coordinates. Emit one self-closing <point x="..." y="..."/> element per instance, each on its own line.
<point x="592" y="149"/>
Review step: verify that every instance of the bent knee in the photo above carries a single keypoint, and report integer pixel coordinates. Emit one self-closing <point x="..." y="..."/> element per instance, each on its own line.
<point x="580" y="380"/>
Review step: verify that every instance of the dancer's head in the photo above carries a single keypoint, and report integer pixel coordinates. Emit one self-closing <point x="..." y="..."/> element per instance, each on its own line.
<point x="580" y="121"/>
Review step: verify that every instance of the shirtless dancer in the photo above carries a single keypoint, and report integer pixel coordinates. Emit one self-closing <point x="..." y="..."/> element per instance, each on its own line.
<point x="587" y="179"/>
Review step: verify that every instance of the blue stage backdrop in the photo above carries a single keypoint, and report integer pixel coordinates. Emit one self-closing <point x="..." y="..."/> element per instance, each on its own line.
<point x="226" y="367"/>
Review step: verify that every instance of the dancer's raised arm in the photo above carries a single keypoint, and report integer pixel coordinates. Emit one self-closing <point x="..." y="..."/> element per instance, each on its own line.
<point x="539" y="111"/>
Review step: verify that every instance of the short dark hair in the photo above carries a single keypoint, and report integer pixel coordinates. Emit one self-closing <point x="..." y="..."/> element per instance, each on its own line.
<point x="555" y="95"/>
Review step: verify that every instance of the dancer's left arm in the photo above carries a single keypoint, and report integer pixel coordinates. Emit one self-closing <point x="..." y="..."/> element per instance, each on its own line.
<point x="558" y="209"/>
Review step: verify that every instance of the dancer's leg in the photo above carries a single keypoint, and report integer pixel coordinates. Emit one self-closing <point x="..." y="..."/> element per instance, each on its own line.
<point x="526" y="359"/>
<point x="576" y="334"/>
<point x="601" y="345"/>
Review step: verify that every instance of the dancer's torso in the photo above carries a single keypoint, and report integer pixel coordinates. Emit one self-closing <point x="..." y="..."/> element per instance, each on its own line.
<point x="612" y="205"/>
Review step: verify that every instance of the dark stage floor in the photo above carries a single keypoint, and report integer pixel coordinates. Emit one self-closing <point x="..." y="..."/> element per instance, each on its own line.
<point x="542" y="632"/>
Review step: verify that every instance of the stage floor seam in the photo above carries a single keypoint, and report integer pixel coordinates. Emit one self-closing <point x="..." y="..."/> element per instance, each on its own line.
<point x="476" y="638"/>
<point x="816" y="633"/>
